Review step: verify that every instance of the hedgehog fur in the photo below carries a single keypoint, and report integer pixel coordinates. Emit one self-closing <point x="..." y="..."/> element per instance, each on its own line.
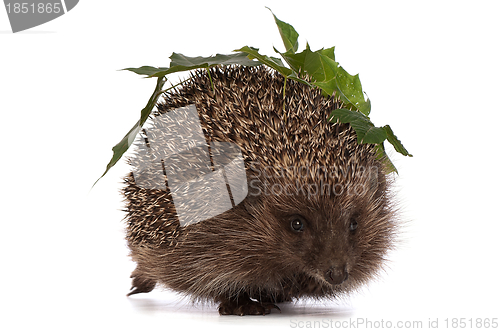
<point x="323" y="234"/>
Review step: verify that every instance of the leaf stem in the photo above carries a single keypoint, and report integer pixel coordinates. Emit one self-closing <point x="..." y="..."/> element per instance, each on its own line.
<point x="173" y="86"/>
<point x="120" y="148"/>
<point x="210" y="78"/>
<point x="284" y="90"/>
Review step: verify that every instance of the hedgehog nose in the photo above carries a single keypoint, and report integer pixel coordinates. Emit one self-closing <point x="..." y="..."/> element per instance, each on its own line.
<point x="337" y="275"/>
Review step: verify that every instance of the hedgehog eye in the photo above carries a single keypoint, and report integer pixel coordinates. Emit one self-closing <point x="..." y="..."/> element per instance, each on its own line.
<point x="297" y="224"/>
<point x="353" y="225"/>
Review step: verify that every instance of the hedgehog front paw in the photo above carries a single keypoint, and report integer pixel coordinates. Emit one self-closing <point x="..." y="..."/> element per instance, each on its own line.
<point x="245" y="306"/>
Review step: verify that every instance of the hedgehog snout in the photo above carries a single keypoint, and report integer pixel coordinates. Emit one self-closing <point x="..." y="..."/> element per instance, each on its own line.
<point x="337" y="274"/>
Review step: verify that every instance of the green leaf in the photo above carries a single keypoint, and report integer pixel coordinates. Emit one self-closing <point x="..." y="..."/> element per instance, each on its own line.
<point x="180" y="62"/>
<point x="146" y="70"/>
<point x="384" y="157"/>
<point x="366" y="131"/>
<point x="297" y="61"/>
<point x="178" y="59"/>
<point x="320" y="67"/>
<point x="329" y="52"/>
<point x="326" y="74"/>
<point x="120" y="148"/>
<point x="294" y="60"/>
<point x="288" y="34"/>
<point x="346" y="116"/>
<point x="294" y="77"/>
<point x="329" y="76"/>
<point x="374" y="135"/>
<point x="398" y="146"/>
<point x="366" y="107"/>
<point x="275" y="63"/>
<point x="350" y="88"/>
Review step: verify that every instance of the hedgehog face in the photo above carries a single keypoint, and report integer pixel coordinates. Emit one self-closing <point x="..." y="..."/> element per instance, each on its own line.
<point x="334" y="240"/>
<point x="319" y="240"/>
<point x="323" y="247"/>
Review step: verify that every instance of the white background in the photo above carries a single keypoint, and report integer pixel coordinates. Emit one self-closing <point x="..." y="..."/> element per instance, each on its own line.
<point x="430" y="68"/>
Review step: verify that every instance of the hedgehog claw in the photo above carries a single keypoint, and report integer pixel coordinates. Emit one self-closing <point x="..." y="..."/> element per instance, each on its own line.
<point x="140" y="284"/>
<point x="246" y="306"/>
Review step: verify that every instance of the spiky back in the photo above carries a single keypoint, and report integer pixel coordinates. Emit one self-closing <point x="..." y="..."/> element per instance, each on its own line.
<point x="247" y="107"/>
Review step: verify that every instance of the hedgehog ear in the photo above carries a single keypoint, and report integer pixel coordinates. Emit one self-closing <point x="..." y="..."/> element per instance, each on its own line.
<point x="253" y="199"/>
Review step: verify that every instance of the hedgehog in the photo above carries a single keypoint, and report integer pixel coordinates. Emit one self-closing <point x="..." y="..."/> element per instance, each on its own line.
<point x="262" y="201"/>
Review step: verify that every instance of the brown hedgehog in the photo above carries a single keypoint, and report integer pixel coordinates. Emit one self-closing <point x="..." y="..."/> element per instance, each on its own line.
<point x="309" y="215"/>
